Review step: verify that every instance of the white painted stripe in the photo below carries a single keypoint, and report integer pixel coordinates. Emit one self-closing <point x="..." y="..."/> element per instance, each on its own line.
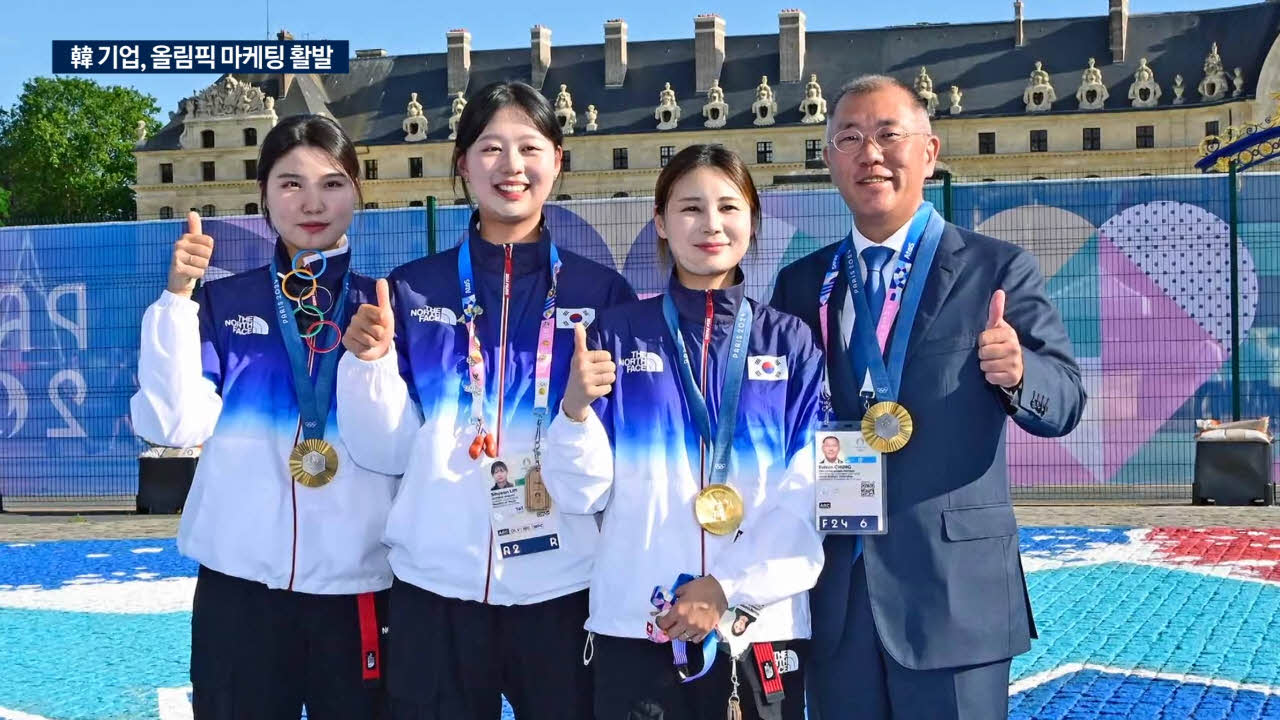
<point x="7" y="714"/>
<point x="173" y="703"/>
<point x="1038" y="679"/>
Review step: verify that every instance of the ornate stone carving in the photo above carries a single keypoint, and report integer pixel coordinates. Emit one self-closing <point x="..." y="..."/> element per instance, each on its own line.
<point x="1092" y="94"/>
<point x="564" y="110"/>
<point x="1144" y="91"/>
<point x="141" y="131"/>
<point x="414" y="123"/>
<point x="813" y="108"/>
<point x="956" y="96"/>
<point x="1238" y="81"/>
<point x="455" y="114"/>
<point x="591" y="118"/>
<point x="1039" y="94"/>
<point x="716" y="111"/>
<point x="765" y="107"/>
<point x="924" y="89"/>
<point x="668" y="112"/>
<point x="229" y="98"/>
<point x="1178" y="90"/>
<point x="1214" y="85"/>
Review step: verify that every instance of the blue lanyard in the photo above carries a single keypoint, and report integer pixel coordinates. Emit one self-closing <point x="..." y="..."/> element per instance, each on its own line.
<point x="467" y="278"/>
<point x="731" y="392"/>
<point x="922" y="239"/>
<point x="471" y="309"/>
<point x="313" y="398"/>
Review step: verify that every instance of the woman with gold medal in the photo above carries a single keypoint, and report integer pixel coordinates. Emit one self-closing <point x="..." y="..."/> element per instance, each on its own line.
<point x="690" y="426"/>
<point x="293" y="576"/>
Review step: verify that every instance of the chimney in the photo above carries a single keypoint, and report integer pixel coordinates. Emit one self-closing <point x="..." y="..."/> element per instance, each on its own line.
<point x="791" y="45"/>
<point x="1019" y="39"/>
<point x="1119" y="28"/>
<point x="458" y="41"/>
<point x="615" y="52"/>
<point x="286" y="80"/>
<point x="708" y="50"/>
<point x="540" y="53"/>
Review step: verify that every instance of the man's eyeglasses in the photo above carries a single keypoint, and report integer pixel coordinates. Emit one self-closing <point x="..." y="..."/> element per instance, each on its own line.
<point x="885" y="138"/>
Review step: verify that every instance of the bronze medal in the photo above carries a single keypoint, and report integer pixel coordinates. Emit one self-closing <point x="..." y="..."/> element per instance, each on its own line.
<point x="313" y="463"/>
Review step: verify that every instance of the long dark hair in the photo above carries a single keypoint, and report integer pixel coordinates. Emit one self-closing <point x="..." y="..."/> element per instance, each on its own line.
<point x="716" y="157"/>
<point x="485" y="103"/>
<point x="315" y="131"/>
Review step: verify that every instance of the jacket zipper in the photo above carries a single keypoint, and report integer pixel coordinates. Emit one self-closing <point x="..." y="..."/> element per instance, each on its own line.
<point x="293" y="486"/>
<point x="702" y="444"/>
<point x="502" y="388"/>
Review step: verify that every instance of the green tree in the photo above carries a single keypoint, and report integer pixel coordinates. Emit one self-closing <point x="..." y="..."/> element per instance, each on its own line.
<point x="66" y="150"/>
<point x="4" y="205"/>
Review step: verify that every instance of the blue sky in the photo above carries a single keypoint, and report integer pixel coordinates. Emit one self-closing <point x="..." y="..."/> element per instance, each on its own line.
<point x="405" y="26"/>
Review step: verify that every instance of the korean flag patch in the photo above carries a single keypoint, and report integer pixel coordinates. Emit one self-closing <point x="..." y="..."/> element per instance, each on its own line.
<point x="767" y="367"/>
<point x="567" y="317"/>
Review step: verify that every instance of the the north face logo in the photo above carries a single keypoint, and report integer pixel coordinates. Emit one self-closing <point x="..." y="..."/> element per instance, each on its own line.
<point x="248" y="325"/>
<point x="435" y="314"/>
<point x="642" y="361"/>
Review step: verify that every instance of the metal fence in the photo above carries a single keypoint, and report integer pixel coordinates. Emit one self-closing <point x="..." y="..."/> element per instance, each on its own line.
<point x="1169" y="286"/>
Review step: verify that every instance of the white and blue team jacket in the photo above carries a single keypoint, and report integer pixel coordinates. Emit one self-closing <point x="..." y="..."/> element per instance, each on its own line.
<point x="213" y="370"/>
<point x="636" y="457"/>
<point x="409" y="413"/>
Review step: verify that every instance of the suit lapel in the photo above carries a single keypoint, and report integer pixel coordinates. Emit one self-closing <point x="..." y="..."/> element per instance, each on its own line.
<point x="844" y="389"/>
<point x="947" y="267"/>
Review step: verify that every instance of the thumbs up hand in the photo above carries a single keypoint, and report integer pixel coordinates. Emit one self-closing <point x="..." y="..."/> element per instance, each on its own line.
<point x="591" y="376"/>
<point x="372" y="327"/>
<point x="999" y="352"/>
<point x="191" y="255"/>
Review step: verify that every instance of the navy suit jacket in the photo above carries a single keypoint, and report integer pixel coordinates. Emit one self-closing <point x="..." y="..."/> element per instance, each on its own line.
<point x="946" y="582"/>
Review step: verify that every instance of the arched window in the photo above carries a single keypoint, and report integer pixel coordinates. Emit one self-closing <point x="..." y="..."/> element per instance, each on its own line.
<point x="208" y="211"/>
<point x="621" y="195"/>
<point x="206" y="138"/>
<point x="250" y="137"/>
<point x="251" y="208"/>
<point x="166" y="213"/>
<point x="564" y="196"/>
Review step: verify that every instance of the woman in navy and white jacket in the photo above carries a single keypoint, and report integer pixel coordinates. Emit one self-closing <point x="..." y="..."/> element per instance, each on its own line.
<point x="691" y="486"/>
<point x="453" y="383"/>
<point x="292" y="573"/>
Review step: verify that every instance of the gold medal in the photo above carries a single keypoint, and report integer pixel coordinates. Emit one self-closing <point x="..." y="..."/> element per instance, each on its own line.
<point x="718" y="509"/>
<point x="887" y="427"/>
<point x="313" y="463"/>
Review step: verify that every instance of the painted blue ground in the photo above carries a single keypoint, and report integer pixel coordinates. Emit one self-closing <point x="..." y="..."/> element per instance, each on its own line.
<point x="1100" y="595"/>
<point x="1089" y="694"/>
<point x="52" y="564"/>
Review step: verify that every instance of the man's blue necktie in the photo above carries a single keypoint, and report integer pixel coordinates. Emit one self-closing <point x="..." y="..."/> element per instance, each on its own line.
<point x="876" y="257"/>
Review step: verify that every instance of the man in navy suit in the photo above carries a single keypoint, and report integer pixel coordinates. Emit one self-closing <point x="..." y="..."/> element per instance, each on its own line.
<point x="921" y="623"/>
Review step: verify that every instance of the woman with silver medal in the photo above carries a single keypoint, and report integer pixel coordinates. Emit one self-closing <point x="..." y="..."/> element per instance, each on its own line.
<point x="293" y="576"/>
<point x="687" y="420"/>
